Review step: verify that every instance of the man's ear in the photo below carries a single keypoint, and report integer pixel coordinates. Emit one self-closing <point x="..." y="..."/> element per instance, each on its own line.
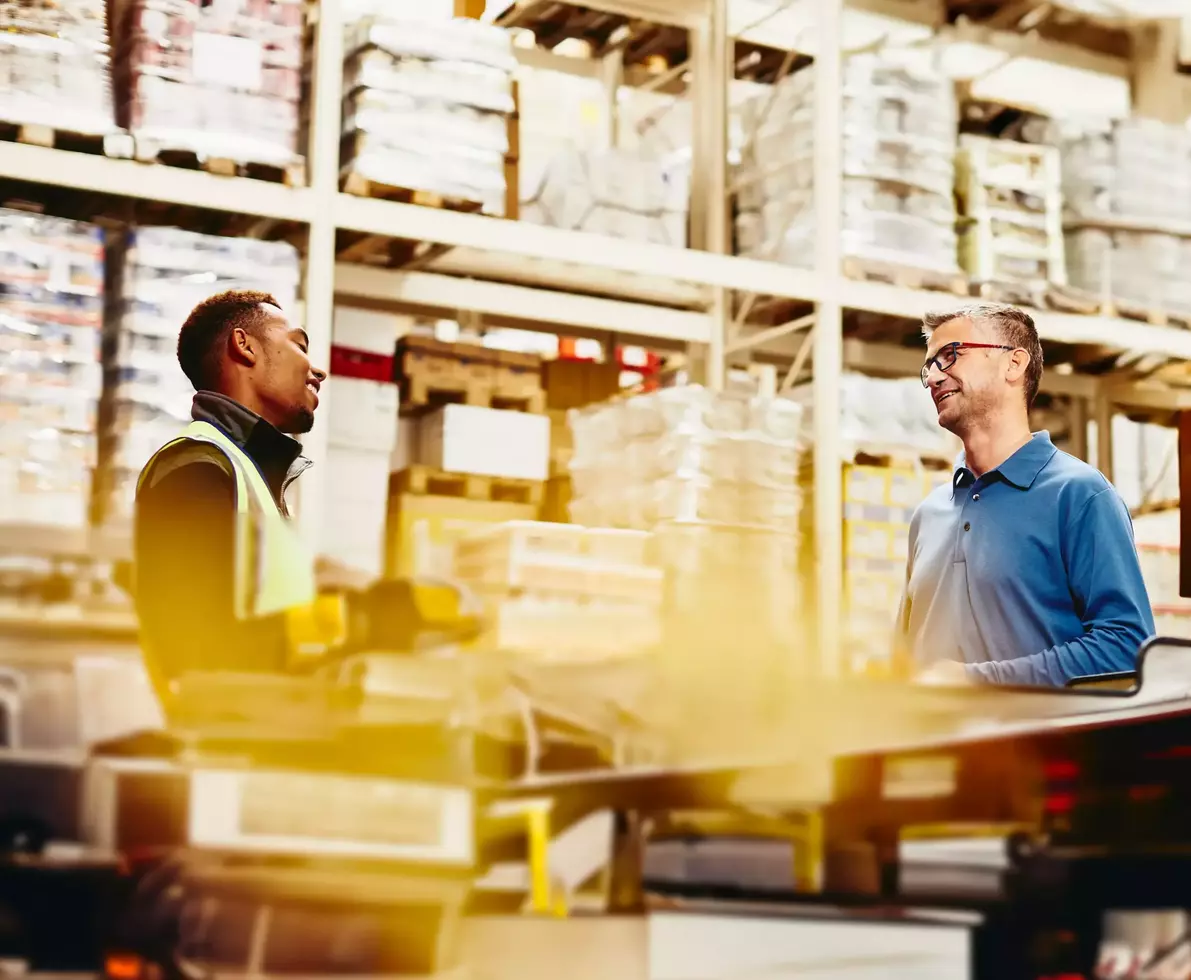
<point x="1019" y="360"/>
<point x="243" y="346"/>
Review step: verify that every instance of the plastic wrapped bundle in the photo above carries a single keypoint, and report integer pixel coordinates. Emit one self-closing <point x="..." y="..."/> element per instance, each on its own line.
<point x="165" y="273"/>
<point x="899" y="138"/>
<point x="427" y="105"/>
<point x="686" y="454"/>
<point x="51" y="316"/>
<point x="1134" y="168"/>
<point x="55" y="68"/>
<point x="218" y="80"/>
<point x="1146" y="270"/>
<point x="613" y="192"/>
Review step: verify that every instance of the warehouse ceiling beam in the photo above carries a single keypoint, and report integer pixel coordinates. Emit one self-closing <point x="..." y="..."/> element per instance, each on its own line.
<point x="432" y="293"/>
<point x="1027" y="45"/>
<point x="675" y="13"/>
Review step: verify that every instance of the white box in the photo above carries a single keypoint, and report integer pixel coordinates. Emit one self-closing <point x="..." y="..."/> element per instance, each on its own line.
<point x="357" y="496"/>
<point x="485" y="442"/>
<point x="361" y="414"/>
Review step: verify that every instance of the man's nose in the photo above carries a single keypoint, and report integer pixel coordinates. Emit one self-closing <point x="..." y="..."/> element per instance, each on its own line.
<point x="935" y="375"/>
<point x="320" y="374"/>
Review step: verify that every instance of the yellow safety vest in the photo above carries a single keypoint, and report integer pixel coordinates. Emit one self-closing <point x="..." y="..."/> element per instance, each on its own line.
<point x="274" y="572"/>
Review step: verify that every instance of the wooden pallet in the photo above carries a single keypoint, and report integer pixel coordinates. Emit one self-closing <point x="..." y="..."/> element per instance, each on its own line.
<point x="422" y="480"/>
<point x="422" y="392"/>
<point x="898" y="459"/>
<point x="1031" y="294"/>
<point x="116" y="145"/>
<point x="151" y="151"/>
<point x="394" y="253"/>
<point x="1072" y="300"/>
<point x="905" y="276"/>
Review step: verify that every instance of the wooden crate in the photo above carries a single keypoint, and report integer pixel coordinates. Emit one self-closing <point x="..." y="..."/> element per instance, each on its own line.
<point x="432" y="371"/>
<point x="1011" y="198"/>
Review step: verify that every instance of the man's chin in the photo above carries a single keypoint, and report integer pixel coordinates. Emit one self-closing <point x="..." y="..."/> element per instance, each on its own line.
<point x="302" y="422"/>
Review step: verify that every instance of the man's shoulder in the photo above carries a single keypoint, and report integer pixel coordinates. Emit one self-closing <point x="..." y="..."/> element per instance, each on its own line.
<point x="185" y="461"/>
<point x="1074" y="475"/>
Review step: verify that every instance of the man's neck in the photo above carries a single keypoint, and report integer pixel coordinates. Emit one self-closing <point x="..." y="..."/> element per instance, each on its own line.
<point x="989" y="446"/>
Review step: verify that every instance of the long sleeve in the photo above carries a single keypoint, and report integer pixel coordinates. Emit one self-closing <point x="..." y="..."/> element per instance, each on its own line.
<point x="1104" y="577"/>
<point x="902" y="647"/>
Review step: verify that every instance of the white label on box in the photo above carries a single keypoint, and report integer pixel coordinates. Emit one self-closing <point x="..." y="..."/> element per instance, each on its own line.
<point x="228" y="62"/>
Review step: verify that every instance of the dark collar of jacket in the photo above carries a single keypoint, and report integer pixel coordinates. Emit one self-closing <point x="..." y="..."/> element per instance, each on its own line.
<point x="278" y="457"/>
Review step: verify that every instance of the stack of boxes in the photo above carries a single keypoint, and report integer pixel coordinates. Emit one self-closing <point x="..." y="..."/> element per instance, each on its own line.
<point x="159" y="275"/>
<point x="1013" y="206"/>
<point x="879" y="501"/>
<point x="559" y="592"/>
<point x="714" y="477"/>
<point x="220" y="80"/>
<point x="892" y="425"/>
<point x="54" y="65"/>
<point x="51" y="318"/>
<point x="1137" y="173"/>
<point x="428" y="105"/>
<point x="359" y="403"/>
<point x="469" y="462"/>
<point x="899" y="124"/>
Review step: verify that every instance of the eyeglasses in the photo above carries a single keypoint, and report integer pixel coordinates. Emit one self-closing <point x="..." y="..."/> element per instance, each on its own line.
<point x="946" y="355"/>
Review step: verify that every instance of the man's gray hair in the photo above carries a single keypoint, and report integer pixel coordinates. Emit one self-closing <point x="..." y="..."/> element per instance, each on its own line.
<point x="1008" y="323"/>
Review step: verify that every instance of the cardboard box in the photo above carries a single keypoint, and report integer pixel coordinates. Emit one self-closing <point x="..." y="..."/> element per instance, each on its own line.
<point x="421" y="531"/>
<point x="485" y="442"/>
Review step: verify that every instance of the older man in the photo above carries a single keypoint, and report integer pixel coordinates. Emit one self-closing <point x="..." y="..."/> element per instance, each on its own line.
<point x="1024" y="569"/>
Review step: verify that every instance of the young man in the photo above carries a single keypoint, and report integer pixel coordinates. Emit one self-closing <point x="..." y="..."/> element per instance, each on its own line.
<point x="217" y="565"/>
<point x="1024" y="570"/>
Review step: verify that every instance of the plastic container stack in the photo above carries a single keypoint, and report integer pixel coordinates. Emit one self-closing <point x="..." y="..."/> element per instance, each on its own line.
<point x="55" y="68"/>
<point x="51" y="317"/>
<point x="220" y="80"/>
<point x="899" y="141"/>
<point x="428" y="104"/>
<point x="165" y="272"/>
<point x="1137" y="172"/>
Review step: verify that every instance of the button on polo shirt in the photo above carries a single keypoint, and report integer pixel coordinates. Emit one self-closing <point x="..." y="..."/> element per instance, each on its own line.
<point x="1028" y="573"/>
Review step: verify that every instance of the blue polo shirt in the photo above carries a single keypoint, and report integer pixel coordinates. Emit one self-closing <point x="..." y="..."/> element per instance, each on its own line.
<point x="1027" y="574"/>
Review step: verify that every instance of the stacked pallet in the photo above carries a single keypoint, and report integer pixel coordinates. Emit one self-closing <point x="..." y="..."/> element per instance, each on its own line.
<point x="473" y="447"/>
<point x="54" y="67"/>
<point x="51" y="316"/>
<point x="159" y="275"/>
<point x="1127" y="190"/>
<point x="899" y="126"/>
<point x="427" y="109"/>
<point x="714" y="477"/>
<point x="217" y="83"/>
<point x="1011" y="195"/>
<point x="559" y="592"/>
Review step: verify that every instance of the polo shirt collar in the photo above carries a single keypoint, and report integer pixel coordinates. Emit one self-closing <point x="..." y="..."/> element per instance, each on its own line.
<point x="1020" y="469"/>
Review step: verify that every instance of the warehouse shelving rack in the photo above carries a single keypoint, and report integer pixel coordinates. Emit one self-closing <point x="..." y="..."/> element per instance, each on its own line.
<point x="571" y="282"/>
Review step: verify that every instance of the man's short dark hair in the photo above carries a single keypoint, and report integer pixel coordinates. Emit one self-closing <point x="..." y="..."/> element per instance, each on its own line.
<point x="207" y="328"/>
<point x="1010" y="324"/>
